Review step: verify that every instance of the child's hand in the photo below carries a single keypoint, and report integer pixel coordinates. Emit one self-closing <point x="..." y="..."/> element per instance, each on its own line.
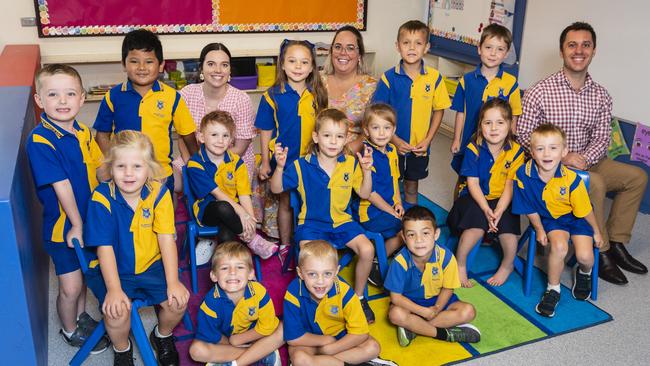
<point x="598" y="240"/>
<point x="494" y="221"/>
<point x="366" y="159"/>
<point x="116" y="303"/>
<point x="421" y="148"/>
<point x="430" y="313"/>
<point x="541" y="237"/>
<point x="402" y="147"/>
<point x="249" y="224"/>
<point x="399" y="210"/>
<point x="264" y="171"/>
<point x="281" y="154"/>
<point x="177" y="291"/>
<point x="75" y="232"/>
<point x="455" y="146"/>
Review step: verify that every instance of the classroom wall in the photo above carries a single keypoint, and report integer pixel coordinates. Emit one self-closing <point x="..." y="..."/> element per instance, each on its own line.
<point x="622" y="52"/>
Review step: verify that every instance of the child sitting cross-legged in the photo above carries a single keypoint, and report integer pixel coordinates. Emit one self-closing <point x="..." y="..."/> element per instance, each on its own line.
<point x="236" y="323"/>
<point x="421" y="280"/>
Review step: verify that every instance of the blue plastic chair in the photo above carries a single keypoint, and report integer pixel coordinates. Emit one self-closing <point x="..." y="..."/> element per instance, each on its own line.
<point x="195" y="230"/>
<point x="137" y="328"/>
<point x="530" y="236"/>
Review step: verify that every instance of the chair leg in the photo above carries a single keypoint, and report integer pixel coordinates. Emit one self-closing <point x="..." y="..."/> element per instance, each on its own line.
<point x="140" y="336"/>
<point x="519" y="263"/>
<point x="594" y="276"/>
<point x="88" y="345"/>
<point x="258" y="267"/>
<point x="187" y="322"/>
<point x="380" y="251"/>
<point x="530" y="261"/>
<point x="192" y="241"/>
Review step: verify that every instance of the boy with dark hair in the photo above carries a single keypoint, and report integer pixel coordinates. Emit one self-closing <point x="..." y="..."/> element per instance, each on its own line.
<point x="421" y="280"/>
<point x="419" y="97"/>
<point x="144" y="104"/>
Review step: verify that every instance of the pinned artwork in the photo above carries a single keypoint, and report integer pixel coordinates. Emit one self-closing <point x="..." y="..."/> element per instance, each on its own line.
<point x="617" y="145"/>
<point x="641" y="144"/>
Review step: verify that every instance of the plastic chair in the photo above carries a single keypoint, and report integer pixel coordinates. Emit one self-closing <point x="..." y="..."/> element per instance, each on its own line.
<point x="530" y="236"/>
<point x="137" y="328"/>
<point x="195" y="230"/>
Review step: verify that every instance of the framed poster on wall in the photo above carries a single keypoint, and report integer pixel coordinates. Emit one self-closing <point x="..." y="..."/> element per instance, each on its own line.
<point x="456" y="27"/>
<point x="70" y="18"/>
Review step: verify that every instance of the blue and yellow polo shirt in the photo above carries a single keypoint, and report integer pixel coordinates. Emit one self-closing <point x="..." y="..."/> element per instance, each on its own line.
<point x="413" y="100"/>
<point x="474" y="90"/>
<point x="218" y="316"/>
<point x="291" y="117"/>
<point x="324" y="200"/>
<point x="132" y="233"/>
<point x="404" y="277"/>
<point x="231" y="176"/>
<point x="55" y="155"/>
<point x="562" y="198"/>
<point x="153" y="115"/>
<point x="492" y="174"/>
<point x="385" y="176"/>
<point x="336" y="314"/>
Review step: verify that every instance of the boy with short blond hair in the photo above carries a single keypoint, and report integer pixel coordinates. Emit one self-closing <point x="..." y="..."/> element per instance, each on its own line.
<point x="487" y="81"/>
<point x="419" y="96"/>
<point x="324" y="322"/>
<point x="144" y="104"/>
<point x="236" y="322"/>
<point x="65" y="162"/>
<point x="557" y="204"/>
<point x="421" y="280"/>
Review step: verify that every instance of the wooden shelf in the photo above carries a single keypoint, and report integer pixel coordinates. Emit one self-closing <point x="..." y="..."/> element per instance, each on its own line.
<point x="98" y="98"/>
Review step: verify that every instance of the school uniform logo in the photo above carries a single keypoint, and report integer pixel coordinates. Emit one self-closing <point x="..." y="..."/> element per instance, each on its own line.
<point x="427" y="88"/>
<point x="251" y="311"/>
<point x="146" y="213"/>
<point x="434" y="271"/>
<point x="334" y="310"/>
<point x="346" y="177"/>
<point x="508" y="163"/>
<point x="160" y="105"/>
<point x="562" y="191"/>
<point x="229" y="175"/>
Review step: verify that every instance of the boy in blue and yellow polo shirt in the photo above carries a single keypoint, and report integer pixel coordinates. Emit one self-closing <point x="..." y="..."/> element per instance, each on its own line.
<point x="144" y="104"/>
<point x="487" y="81"/>
<point x="236" y="312"/>
<point x="557" y="204"/>
<point x="323" y="319"/>
<point x="419" y="96"/>
<point x="421" y="280"/>
<point x="64" y="160"/>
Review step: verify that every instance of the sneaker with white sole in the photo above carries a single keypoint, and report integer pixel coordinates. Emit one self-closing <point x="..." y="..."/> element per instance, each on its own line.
<point x="463" y="333"/>
<point x="405" y="336"/>
<point x="581" y="289"/>
<point x="548" y="303"/>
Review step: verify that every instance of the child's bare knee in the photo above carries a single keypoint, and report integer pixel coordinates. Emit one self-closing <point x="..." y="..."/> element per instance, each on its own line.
<point x="468" y="312"/>
<point x="397" y="315"/>
<point x="199" y="351"/>
<point x="119" y="322"/>
<point x="585" y="257"/>
<point x="371" y="348"/>
<point x="366" y="250"/>
<point x="300" y="358"/>
<point x="559" y="247"/>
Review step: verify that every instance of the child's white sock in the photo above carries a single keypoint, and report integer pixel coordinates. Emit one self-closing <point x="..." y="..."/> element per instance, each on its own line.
<point x="160" y="335"/>
<point x="360" y="297"/>
<point x="555" y="288"/>
<point x="67" y="334"/>
<point x="124" y="350"/>
<point x="584" y="273"/>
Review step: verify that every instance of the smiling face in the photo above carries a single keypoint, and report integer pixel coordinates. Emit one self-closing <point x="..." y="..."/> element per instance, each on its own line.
<point x="216" y="69"/>
<point x="412" y="46"/>
<point x="297" y="63"/>
<point x="492" y="52"/>
<point x="232" y="274"/>
<point x="420" y="237"/>
<point x="142" y="67"/>
<point x="318" y="275"/>
<point x="578" y="50"/>
<point x="129" y="170"/>
<point x="494" y="126"/>
<point x="331" y="138"/>
<point x="345" y="53"/>
<point x="380" y="131"/>
<point x="60" y="96"/>
<point x="547" y="150"/>
<point x="216" y="137"/>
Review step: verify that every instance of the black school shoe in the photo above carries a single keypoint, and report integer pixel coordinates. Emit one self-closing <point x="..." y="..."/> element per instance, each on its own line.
<point x="581" y="289"/>
<point x="165" y="349"/>
<point x="367" y="311"/>
<point x="78" y="338"/>
<point x="548" y="303"/>
<point x="375" y="274"/>
<point x="124" y="358"/>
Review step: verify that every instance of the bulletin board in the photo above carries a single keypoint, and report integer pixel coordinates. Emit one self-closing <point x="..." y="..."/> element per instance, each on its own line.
<point x="456" y="27"/>
<point x="66" y="18"/>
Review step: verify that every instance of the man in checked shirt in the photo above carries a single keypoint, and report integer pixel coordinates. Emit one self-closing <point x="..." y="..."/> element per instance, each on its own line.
<point x="573" y="101"/>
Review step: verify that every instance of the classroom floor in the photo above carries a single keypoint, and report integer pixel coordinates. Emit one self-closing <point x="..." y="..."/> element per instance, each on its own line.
<point x="622" y="341"/>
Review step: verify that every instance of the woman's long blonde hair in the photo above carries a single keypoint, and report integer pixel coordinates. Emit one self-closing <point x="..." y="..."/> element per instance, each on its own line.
<point x="129" y="139"/>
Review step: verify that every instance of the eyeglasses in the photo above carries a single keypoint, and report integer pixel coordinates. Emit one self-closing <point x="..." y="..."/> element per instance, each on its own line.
<point x="349" y="48"/>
